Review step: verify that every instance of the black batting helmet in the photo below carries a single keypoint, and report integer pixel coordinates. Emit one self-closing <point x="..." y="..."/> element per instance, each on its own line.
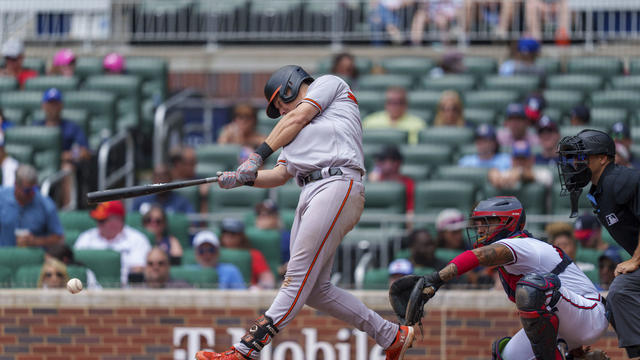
<point x="285" y="82"/>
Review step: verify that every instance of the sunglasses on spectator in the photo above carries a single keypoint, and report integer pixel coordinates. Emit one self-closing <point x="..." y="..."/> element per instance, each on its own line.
<point x="159" y="263"/>
<point x="156" y="221"/>
<point x="450" y="108"/>
<point x="396" y="101"/>
<point x="207" y="250"/>
<point x="29" y="190"/>
<point x="51" y="274"/>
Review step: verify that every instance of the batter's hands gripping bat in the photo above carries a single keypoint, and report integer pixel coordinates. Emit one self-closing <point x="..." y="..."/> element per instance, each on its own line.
<point x="134" y="191"/>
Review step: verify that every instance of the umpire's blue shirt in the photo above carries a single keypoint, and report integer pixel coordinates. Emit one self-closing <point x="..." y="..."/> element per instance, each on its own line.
<point x="40" y="216"/>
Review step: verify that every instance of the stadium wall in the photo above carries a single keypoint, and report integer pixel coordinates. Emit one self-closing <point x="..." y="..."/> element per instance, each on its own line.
<point x="173" y="324"/>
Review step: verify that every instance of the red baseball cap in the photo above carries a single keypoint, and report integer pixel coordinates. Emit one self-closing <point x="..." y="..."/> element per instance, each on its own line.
<point x="106" y="209"/>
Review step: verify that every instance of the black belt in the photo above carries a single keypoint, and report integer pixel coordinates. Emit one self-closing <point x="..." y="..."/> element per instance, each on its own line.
<point x="317" y="175"/>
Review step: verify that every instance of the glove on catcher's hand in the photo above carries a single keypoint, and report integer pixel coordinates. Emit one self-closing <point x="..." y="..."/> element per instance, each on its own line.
<point x="409" y="294"/>
<point x="228" y="179"/>
<point x="248" y="170"/>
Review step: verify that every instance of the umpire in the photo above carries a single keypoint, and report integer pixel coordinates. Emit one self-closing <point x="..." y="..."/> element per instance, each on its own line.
<point x="615" y="197"/>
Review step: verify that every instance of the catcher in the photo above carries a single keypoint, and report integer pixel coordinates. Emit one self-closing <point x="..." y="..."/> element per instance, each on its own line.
<point x="554" y="298"/>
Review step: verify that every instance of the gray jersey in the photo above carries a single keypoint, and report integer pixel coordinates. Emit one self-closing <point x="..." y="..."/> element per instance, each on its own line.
<point x="333" y="138"/>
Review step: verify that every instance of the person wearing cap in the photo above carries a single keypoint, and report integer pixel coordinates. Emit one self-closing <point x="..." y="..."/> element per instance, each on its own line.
<point x="113" y="64"/>
<point x="232" y="236"/>
<point x="395" y="115"/>
<point x="28" y="218"/>
<point x="487" y="151"/>
<point x="111" y="233"/>
<point x="207" y="249"/>
<point x="522" y="170"/>
<point x="607" y="263"/>
<point x="242" y="129"/>
<point x="8" y="165"/>
<point x="524" y="62"/>
<point x="64" y="63"/>
<point x="422" y="247"/>
<point x="75" y="147"/>
<point x="516" y="127"/>
<point x="549" y="136"/>
<point x="387" y="168"/>
<point x="588" y="232"/>
<point x="13" y="53"/>
<point x="268" y="218"/>
<point x="580" y="115"/>
<point x="534" y="105"/>
<point x="621" y="135"/>
<point x="399" y="268"/>
<point x="170" y="201"/>
<point x="157" y="274"/>
<point x="449" y="225"/>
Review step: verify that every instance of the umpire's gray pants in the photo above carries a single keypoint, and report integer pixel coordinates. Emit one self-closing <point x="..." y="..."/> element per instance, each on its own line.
<point x="623" y="304"/>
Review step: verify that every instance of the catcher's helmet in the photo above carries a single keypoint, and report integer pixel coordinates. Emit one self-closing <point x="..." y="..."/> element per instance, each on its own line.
<point x="285" y="82"/>
<point x="506" y="208"/>
<point x="573" y="150"/>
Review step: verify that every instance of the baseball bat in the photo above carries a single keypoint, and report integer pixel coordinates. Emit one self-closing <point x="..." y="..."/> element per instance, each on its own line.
<point x="134" y="191"/>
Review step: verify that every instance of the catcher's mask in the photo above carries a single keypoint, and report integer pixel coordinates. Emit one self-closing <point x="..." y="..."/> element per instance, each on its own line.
<point x="494" y="219"/>
<point x="285" y="83"/>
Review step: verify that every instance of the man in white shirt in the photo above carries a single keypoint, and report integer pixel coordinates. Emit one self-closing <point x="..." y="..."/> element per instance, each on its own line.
<point x="112" y="234"/>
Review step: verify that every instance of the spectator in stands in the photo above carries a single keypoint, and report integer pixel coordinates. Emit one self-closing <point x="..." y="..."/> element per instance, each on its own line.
<point x="549" y="136"/>
<point x="449" y="225"/>
<point x="387" y="168"/>
<point x="233" y="237"/>
<point x="399" y="268"/>
<point x="64" y="253"/>
<point x="268" y="218"/>
<point x="451" y="63"/>
<point x="112" y="233"/>
<point x="450" y="110"/>
<point x="534" y="105"/>
<point x="170" y="201"/>
<point x="442" y="13"/>
<point x="113" y="64"/>
<point x="64" y="63"/>
<point x="588" y="231"/>
<point x="28" y="218"/>
<point x="207" y="246"/>
<point x="155" y="221"/>
<point x="75" y="147"/>
<point x="13" y="53"/>
<point x="395" y="115"/>
<point x="242" y="129"/>
<point x="8" y="165"/>
<point x="487" y="147"/>
<point x="561" y="235"/>
<point x="156" y="272"/>
<point x="4" y="122"/>
<point x="537" y="10"/>
<point x="623" y="156"/>
<point x="607" y="263"/>
<point x="423" y="250"/>
<point x="524" y="62"/>
<point x="53" y="275"/>
<point x="385" y="17"/>
<point x="183" y="167"/>
<point x="580" y="116"/>
<point x="621" y="134"/>
<point x="522" y="170"/>
<point x="344" y="66"/>
<point x="516" y="127"/>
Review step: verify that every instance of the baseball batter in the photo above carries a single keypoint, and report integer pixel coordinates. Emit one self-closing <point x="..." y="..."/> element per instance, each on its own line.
<point x="321" y="138"/>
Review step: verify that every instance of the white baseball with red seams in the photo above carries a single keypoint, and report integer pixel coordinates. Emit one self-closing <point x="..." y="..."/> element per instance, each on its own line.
<point x="74" y="286"/>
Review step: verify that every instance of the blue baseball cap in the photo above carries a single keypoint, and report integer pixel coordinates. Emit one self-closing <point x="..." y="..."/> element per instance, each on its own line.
<point x="521" y="148"/>
<point x="485" y="131"/>
<point x="620" y="130"/>
<point x="400" y="267"/>
<point x="528" y="45"/>
<point x="613" y="254"/>
<point x="52" y="94"/>
<point x="515" y="110"/>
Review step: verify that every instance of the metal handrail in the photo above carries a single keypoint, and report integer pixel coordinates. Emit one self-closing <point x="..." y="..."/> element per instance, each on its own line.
<point x="361" y="270"/>
<point x="54" y="179"/>
<point x="127" y="169"/>
<point x="162" y="124"/>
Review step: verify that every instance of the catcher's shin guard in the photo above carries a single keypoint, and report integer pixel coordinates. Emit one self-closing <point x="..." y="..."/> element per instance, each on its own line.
<point x="539" y="323"/>
<point x="260" y="333"/>
<point x="498" y="346"/>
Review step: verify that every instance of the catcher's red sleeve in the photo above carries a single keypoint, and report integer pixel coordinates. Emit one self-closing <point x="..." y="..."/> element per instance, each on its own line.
<point x="465" y="261"/>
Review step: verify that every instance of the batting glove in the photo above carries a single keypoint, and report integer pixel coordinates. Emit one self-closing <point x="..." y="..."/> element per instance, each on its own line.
<point x="248" y="170"/>
<point x="228" y="179"/>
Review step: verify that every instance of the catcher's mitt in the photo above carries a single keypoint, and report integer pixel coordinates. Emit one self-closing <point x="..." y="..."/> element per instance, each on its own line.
<point x="409" y="294"/>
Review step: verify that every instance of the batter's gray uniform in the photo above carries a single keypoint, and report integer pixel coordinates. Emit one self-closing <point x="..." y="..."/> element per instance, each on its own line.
<point x="327" y="209"/>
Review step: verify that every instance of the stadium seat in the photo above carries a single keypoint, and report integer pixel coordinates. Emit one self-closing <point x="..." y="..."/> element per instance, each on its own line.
<point x="433" y="196"/>
<point x="203" y="278"/>
<point x="5" y="277"/>
<point x="564" y="100"/>
<point x="35" y="63"/>
<point x="475" y="175"/>
<point x="626" y="82"/>
<point x="457" y="82"/>
<point x="14" y="257"/>
<point x="71" y="236"/>
<point x="416" y="172"/>
<point x="88" y="66"/>
<point x="45" y="141"/>
<point x="407" y="65"/>
<point x="8" y="84"/>
<point x="376" y="279"/>
<point x="568" y="130"/>
<point x="269" y="243"/>
<point x="178" y="226"/>
<point x="381" y="82"/>
<point x="625" y="99"/>
<point x="634" y="66"/>
<point x="225" y="154"/>
<point x="426" y="154"/>
<point x="17" y="116"/>
<point x="76" y="220"/>
<point x="533" y="196"/>
<point x="27" y="275"/>
<point x="153" y="71"/>
<point x="522" y="84"/>
<point x="21" y="152"/>
<point x="363" y="64"/>
<point x="384" y="136"/>
<point x="288" y="196"/>
<point x="445" y="135"/>
<point x="62" y="83"/>
<point x="205" y="169"/>
<point x="26" y="101"/>
<point x="424" y="99"/>
<point x="578" y="82"/>
<point x="192" y="193"/>
<point x="605" y="117"/>
<point x="447" y="254"/>
<point x="562" y="206"/>
<point x="235" y="200"/>
<point x="241" y="258"/>
<point x="101" y="106"/>
<point x="104" y="263"/>
<point x="551" y="65"/>
<point x="477" y="116"/>
<point x="370" y="100"/>
<point x="496" y="100"/>
<point x="606" y="66"/>
<point x="480" y="66"/>
<point x="588" y="255"/>
<point x="77" y="116"/>
<point x="426" y="115"/>
<point x="385" y="197"/>
<point x="128" y="89"/>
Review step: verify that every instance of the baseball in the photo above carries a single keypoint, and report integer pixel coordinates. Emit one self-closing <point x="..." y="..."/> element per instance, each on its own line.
<point x="74" y="286"/>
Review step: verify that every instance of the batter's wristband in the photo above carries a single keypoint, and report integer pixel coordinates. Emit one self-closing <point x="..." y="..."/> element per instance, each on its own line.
<point x="465" y="261"/>
<point x="264" y="150"/>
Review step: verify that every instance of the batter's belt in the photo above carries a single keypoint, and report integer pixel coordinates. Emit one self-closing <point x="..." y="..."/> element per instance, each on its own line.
<point x="325" y="173"/>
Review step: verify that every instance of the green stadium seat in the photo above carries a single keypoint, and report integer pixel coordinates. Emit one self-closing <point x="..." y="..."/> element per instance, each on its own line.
<point x="588" y="255"/>
<point x="88" y="66"/>
<point x="370" y="151"/>
<point x="433" y="196"/>
<point x="550" y="65"/>
<point x="424" y="99"/>
<point x="416" y="172"/>
<point x="475" y="175"/>
<point x="457" y="82"/>
<point x="268" y="242"/>
<point x="101" y="106"/>
<point x="27" y="276"/>
<point x="522" y="84"/>
<point x="35" y="63"/>
<point x="605" y="117"/>
<point x="104" y="263"/>
<point x="17" y="116"/>
<point x="363" y="64"/>
<point x="626" y="82"/>
<point x="533" y="196"/>
<point x="71" y="236"/>
<point x="76" y="220"/>
<point x="203" y="278"/>
<point x="626" y="99"/>
<point x="241" y="258"/>
<point x="22" y="153"/>
<point x="426" y="154"/>
<point x="45" y="141"/>
<point x="42" y="83"/>
<point x="192" y="194"/>
<point x="178" y="226"/>
<point x="154" y="74"/>
<point x="447" y="254"/>
<point x="384" y="136"/>
<point x="226" y="155"/>
<point x="288" y="196"/>
<point x="568" y="130"/>
<point x="480" y="66"/>
<point x="235" y="200"/>
<point x="370" y="101"/>
<point x="606" y="66"/>
<point x="576" y="82"/>
<point x="8" y="84"/>
<point x="5" y="277"/>
<point x="445" y="135"/>
<point x="385" y="197"/>
<point x="128" y="89"/>
<point x="376" y="279"/>
<point x="209" y="169"/>
<point x="556" y="115"/>
<point x="634" y="66"/>
<point x="14" y="257"/>
<point x="426" y="115"/>
<point x="496" y="100"/>
<point x="563" y="100"/>
<point x="478" y="116"/>
<point x="407" y="65"/>
<point x="77" y="116"/>
<point x="562" y="206"/>
<point x="21" y="100"/>
<point x="382" y="82"/>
